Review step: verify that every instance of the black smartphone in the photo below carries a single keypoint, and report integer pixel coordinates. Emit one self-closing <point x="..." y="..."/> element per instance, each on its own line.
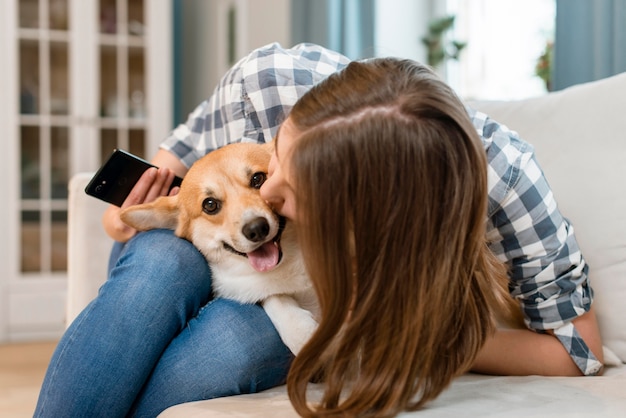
<point x="117" y="176"/>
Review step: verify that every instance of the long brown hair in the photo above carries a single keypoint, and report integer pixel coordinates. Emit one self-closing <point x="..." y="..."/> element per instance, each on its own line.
<point x="391" y="181"/>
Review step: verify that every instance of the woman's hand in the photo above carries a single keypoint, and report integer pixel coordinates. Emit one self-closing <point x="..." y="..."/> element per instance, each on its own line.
<point x="152" y="184"/>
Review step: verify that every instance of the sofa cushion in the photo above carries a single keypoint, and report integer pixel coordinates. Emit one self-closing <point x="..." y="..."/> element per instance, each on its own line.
<point x="470" y="395"/>
<point x="580" y="138"/>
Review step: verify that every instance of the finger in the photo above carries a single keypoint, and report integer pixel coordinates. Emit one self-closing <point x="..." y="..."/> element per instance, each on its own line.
<point x="168" y="182"/>
<point x="174" y="191"/>
<point x="141" y="189"/>
<point x="160" y="186"/>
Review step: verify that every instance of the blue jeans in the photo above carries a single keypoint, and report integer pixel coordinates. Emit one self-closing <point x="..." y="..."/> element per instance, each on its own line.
<point x="154" y="337"/>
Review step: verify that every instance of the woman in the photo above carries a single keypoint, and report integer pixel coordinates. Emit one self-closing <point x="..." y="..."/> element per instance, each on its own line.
<point x="154" y="336"/>
<point x="386" y="178"/>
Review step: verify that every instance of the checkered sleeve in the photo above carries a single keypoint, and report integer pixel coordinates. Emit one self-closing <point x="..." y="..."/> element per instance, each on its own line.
<point x="525" y="229"/>
<point x="252" y="99"/>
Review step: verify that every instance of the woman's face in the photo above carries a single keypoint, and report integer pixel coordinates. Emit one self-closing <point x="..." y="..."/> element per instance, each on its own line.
<point x="277" y="189"/>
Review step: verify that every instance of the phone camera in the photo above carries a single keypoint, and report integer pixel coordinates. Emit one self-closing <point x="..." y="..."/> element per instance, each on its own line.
<point x="100" y="187"/>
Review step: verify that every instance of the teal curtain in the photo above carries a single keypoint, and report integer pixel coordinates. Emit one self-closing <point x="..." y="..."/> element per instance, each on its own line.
<point x="590" y="41"/>
<point x="178" y="114"/>
<point x="345" y="26"/>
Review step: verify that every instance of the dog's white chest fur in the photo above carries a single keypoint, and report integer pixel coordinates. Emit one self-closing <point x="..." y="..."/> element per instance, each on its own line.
<point x="286" y="292"/>
<point x="286" y="295"/>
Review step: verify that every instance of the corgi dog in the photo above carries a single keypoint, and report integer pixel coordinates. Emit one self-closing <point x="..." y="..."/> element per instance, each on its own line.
<point x="252" y="251"/>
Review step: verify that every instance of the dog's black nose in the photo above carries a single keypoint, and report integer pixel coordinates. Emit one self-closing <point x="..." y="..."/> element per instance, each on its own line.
<point x="256" y="230"/>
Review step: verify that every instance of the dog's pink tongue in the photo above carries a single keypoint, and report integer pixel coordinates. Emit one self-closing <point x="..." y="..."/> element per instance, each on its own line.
<point x="264" y="258"/>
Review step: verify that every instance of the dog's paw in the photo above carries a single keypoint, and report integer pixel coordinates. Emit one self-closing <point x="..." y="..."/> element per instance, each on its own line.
<point x="294" y="324"/>
<point x="302" y="331"/>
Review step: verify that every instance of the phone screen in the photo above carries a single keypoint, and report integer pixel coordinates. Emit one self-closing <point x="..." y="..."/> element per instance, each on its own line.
<point x="115" y="179"/>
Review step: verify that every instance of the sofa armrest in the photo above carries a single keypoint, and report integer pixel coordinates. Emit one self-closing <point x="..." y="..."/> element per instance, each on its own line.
<point x="88" y="246"/>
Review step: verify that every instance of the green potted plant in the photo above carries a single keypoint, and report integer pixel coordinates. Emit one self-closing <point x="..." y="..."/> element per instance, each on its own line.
<point x="543" y="68"/>
<point x="438" y="46"/>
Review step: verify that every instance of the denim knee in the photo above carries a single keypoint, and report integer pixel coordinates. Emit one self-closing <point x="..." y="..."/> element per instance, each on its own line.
<point x="159" y="271"/>
<point x="228" y="349"/>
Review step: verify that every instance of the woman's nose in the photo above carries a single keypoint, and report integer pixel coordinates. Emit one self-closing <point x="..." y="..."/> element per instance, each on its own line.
<point x="268" y="190"/>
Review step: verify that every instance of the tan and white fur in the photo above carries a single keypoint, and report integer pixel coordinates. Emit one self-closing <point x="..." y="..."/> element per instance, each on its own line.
<point x="252" y="252"/>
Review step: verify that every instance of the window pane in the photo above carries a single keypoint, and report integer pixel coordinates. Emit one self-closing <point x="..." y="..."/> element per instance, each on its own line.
<point x="108" y="16"/>
<point x="31" y="170"/>
<point x="58" y="14"/>
<point x="59" y="99"/>
<point x="136" y="87"/>
<point x="29" y="77"/>
<point x="108" y="82"/>
<point x="135" y="17"/>
<point x="500" y="58"/>
<point x="136" y="142"/>
<point x="59" y="166"/>
<point x="108" y="142"/>
<point x="31" y="241"/>
<point x="29" y="13"/>
<point x="59" y="241"/>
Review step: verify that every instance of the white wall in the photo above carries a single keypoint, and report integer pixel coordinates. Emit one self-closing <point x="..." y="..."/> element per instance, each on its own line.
<point x="400" y="26"/>
<point x="205" y="39"/>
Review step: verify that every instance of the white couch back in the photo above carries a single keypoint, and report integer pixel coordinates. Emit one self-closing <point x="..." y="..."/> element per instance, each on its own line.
<point x="580" y="140"/>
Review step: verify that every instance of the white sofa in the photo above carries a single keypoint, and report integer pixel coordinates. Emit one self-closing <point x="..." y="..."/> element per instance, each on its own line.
<point x="580" y="139"/>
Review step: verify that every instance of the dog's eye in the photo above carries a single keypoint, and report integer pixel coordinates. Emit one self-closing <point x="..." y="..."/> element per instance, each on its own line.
<point x="257" y="180"/>
<point x="211" y="206"/>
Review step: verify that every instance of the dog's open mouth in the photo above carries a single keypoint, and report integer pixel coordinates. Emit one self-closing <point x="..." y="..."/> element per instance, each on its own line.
<point x="267" y="256"/>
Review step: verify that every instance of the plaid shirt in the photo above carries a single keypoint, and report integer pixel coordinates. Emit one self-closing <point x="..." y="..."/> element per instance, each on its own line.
<point x="252" y="99"/>
<point x="524" y="227"/>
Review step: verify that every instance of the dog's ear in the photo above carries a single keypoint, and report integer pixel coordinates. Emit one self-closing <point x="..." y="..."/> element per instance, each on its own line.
<point x="161" y="213"/>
